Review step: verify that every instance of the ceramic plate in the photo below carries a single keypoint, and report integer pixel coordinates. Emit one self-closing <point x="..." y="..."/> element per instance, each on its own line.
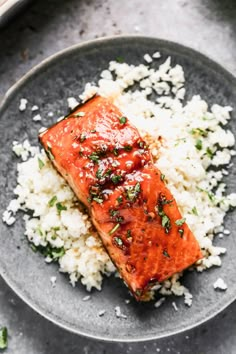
<point x="48" y="85"/>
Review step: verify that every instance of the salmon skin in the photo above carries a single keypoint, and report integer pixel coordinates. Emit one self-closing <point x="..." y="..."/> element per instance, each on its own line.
<point x="109" y="167"/>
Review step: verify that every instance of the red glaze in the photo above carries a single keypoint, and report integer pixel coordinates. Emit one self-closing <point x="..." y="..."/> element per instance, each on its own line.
<point x="110" y="169"/>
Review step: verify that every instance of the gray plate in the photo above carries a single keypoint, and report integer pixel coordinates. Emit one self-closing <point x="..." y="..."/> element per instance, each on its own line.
<point x="48" y="85"/>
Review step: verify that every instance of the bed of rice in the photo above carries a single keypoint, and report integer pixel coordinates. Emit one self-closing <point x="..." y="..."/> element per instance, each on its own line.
<point x="186" y="140"/>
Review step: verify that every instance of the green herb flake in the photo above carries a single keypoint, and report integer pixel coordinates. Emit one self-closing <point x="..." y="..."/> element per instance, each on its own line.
<point x="94" y="157"/>
<point x="115" y="151"/>
<point x="118" y="241"/>
<point x="98" y="200"/>
<point x="113" y="212"/>
<point x="165" y="222"/>
<point x="199" y="131"/>
<point x="119" y="199"/>
<point x="99" y="174"/>
<point x="166" y="254"/>
<point x="116" y="179"/>
<point x="123" y="120"/>
<point x="114" y="229"/>
<point x="82" y="138"/>
<point x="33" y="247"/>
<point x="49" y="153"/>
<point x="181" y="232"/>
<point x="120" y="59"/>
<point x="79" y="114"/>
<point x="209" y="153"/>
<point x="52" y="201"/>
<point x="180" y="222"/>
<point x="39" y="231"/>
<point x="162" y="177"/>
<point x="128" y="148"/>
<point x="60" y="207"/>
<point x="3" y="338"/>
<point x="198" y="144"/>
<point x="57" y="253"/>
<point x="40" y="163"/>
<point x="194" y="211"/>
<point x="128" y="234"/>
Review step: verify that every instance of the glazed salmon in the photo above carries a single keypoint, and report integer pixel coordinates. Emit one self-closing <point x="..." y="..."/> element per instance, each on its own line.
<point x="109" y="167"/>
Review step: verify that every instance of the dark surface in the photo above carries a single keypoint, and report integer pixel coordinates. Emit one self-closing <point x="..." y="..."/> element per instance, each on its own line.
<point x="39" y="29"/>
<point x="71" y="70"/>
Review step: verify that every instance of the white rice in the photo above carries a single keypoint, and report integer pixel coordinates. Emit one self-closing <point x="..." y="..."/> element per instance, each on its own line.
<point x="191" y="135"/>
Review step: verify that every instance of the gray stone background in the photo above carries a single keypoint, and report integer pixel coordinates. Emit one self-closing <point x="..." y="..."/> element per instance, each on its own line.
<point x="46" y="26"/>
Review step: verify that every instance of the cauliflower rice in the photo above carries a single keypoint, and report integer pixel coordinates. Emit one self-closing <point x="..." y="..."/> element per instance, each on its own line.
<point x="186" y="141"/>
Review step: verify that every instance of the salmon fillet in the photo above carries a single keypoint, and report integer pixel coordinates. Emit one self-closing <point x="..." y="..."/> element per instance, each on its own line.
<point x="109" y="167"/>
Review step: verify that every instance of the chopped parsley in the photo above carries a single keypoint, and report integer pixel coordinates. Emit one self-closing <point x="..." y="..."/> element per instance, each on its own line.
<point x="181" y="232"/>
<point x="79" y="114"/>
<point x="3" y="338"/>
<point x="165" y="222"/>
<point x="99" y="173"/>
<point x="49" y="153"/>
<point x="94" y="157"/>
<point x="199" y="131"/>
<point x="133" y="192"/>
<point x="114" y="229"/>
<point x="120" y="59"/>
<point x="128" y="148"/>
<point x="162" y="177"/>
<point x="166" y="254"/>
<point x="82" y="138"/>
<point x="40" y="163"/>
<point x="52" y="201"/>
<point x="113" y="212"/>
<point x="116" y="179"/>
<point x="118" y="241"/>
<point x="209" y="153"/>
<point x="119" y="199"/>
<point x="98" y="200"/>
<point x="198" y="144"/>
<point x="60" y="207"/>
<point x="123" y="120"/>
<point x="180" y="222"/>
<point x="128" y="234"/>
<point x="116" y="151"/>
<point x="194" y="211"/>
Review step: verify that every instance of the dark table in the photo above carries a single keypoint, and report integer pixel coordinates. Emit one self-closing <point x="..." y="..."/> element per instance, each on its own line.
<point x="47" y="26"/>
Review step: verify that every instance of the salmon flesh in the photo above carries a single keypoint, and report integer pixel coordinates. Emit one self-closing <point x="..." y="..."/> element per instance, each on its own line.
<point x="109" y="167"/>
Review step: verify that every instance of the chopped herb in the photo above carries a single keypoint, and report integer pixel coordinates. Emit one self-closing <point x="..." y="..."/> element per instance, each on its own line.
<point x="99" y="173"/>
<point x="33" y="247"/>
<point x="211" y="196"/>
<point x="128" y="233"/>
<point x="93" y="131"/>
<point x="119" y="241"/>
<point x="165" y="222"/>
<point x="198" y="144"/>
<point x="54" y="237"/>
<point x="209" y="153"/>
<point x="113" y="212"/>
<point x="81" y="153"/>
<point x="123" y="120"/>
<point x="194" y="211"/>
<point x="82" y="138"/>
<point x="57" y="253"/>
<point x="49" y="153"/>
<point x="132" y="192"/>
<point x="199" y="131"/>
<point x="98" y="200"/>
<point x="89" y="199"/>
<point x="116" y="151"/>
<point x="128" y="148"/>
<point x="60" y="207"/>
<point x="119" y="199"/>
<point x="116" y="179"/>
<point x="94" y="157"/>
<point x="39" y="231"/>
<point x="180" y="222"/>
<point x="40" y="163"/>
<point x="52" y="201"/>
<point x="162" y="177"/>
<point x="79" y="114"/>
<point x="166" y="254"/>
<point x="115" y="228"/>
<point x="120" y="59"/>
<point x="181" y="232"/>
<point x="3" y="338"/>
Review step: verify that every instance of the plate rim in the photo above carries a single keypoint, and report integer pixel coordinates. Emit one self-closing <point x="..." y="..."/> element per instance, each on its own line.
<point x="3" y="104"/>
